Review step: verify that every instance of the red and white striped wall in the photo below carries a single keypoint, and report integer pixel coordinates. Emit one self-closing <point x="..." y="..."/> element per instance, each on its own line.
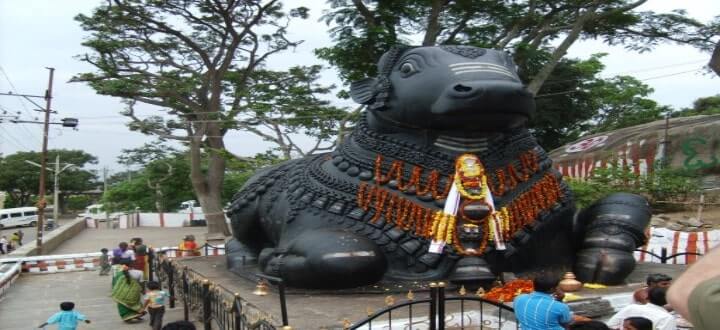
<point x="638" y="156"/>
<point x="677" y="242"/>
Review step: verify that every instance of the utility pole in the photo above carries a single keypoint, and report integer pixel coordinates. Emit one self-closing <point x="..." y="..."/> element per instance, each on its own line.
<point x="105" y="205"/>
<point x="43" y="162"/>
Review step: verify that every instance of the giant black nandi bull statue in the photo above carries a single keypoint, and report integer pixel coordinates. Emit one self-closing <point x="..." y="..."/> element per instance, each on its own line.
<point x="439" y="180"/>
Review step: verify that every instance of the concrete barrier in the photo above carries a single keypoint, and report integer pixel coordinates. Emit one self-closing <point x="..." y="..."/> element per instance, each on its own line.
<point x="52" y="239"/>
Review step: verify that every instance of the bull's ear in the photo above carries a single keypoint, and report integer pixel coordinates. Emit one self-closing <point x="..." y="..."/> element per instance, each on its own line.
<point x="363" y="91"/>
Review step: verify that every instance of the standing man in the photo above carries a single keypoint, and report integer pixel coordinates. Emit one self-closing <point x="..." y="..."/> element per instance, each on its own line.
<point x="654" y="311"/>
<point x="20" y="236"/>
<point x="541" y="310"/>
<point x="652" y="281"/>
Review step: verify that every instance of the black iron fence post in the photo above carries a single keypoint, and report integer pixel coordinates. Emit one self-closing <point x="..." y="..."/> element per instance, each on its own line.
<point x="170" y="270"/>
<point x="281" y="292"/>
<point x="151" y="267"/>
<point x="206" y="305"/>
<point x="237" y="308"/>
<point x="433" y="305"/>
<point x="186" y="294"/>
<point x="206" y="248"/>
<point x="663" y="255"/>
<point x="441" y="306"/>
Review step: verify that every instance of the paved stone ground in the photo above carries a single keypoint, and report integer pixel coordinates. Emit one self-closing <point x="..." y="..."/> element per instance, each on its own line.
<point x="33" y="298"/>
<point x="92" y="240"/>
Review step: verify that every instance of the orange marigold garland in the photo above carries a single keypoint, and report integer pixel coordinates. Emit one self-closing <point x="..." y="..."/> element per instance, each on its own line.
<point x="509" y="291"/>
<point x="428" y="223"/>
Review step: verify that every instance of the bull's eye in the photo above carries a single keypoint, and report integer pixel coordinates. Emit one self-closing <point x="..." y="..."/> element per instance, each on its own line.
<point x="407" y="68"/>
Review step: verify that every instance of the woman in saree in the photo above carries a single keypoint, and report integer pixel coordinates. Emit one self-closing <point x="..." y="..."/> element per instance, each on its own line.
<point x="126" y="292"/>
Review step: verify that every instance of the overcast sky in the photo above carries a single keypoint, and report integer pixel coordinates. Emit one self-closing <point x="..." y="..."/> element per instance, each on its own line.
<point x="35" y="34"/>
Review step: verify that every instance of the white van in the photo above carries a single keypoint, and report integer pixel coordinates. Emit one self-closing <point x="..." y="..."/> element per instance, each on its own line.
<point x="19" y="216"/>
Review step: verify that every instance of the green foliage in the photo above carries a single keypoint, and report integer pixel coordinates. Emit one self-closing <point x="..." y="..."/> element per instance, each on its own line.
<point x="78" y="202"/>
<point x="163" y="180"/>
<point x="281" y="105"/>
<point x="21" y="179"/>
<point x="531" y="31"/>
<point x="660" y="186"/>
<point x="709" y="105"/>
<point x="621" y="102"/>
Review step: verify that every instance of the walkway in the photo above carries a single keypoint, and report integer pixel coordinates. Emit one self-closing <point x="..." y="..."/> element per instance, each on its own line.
<point x="33" y="298"/>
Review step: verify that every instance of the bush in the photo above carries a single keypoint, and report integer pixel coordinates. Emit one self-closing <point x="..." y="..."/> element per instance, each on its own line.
<point x="662" y="185"/>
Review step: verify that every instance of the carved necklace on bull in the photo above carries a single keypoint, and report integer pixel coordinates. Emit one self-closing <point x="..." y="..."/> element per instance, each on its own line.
<point x="469" y="201"/>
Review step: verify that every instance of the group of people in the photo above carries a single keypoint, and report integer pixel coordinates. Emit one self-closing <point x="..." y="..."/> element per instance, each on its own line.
<point x="694" y="296"/>
<point x="134" y="295"/>
<point x="15" y="241"/>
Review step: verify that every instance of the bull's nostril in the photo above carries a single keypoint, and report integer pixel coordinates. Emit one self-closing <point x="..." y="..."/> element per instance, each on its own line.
<point x="462" y="88"/>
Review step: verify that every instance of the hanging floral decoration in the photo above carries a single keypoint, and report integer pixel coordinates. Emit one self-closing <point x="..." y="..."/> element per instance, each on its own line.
<point x="431" y="224"/>
<point x="509" y="291"/>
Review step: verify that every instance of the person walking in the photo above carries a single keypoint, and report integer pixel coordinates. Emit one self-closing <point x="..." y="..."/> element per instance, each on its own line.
<point x="4" y="245"/>
<point x="66" y="318"/>
<point x="20" y="236"/>
<point x="541" y="310"/>
<point x="126" y="292"/>
<point x="154" y="302"/>
<point x="104" y="262"/>
<point x="123" y="254"/>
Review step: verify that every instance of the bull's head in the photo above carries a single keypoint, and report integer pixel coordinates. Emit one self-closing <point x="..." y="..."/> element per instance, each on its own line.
<point x="446" y="87"/>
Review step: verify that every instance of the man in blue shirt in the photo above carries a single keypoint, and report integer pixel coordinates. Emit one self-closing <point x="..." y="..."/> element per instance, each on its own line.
<point x="540" y="310"/>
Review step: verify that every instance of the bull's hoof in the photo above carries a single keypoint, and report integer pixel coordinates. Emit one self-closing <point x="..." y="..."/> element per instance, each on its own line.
<point x="605" y="266"/>
<point x="238" y="254"/>
<point x="472" y="272"/>
<point x="327" y="259"/>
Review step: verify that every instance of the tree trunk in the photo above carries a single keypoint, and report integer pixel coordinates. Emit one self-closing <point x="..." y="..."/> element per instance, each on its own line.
<point x="433" y="25"/>
<point x="208" y="186"/>
<point x="539" y="79"/>
<point x="715" y="59"/>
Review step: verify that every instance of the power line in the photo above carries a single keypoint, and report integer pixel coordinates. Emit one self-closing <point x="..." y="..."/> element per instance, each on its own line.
<point x="645" y="79"/>
<point x="14" y="141"/>
<point x="27" y="111"/>
<point x="661" y="67"/>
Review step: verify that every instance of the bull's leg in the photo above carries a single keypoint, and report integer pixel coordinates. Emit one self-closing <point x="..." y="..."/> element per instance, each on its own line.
<point x="326" y="258"/>
<point x="614" y="228"/>
<point x="248" y="238"/>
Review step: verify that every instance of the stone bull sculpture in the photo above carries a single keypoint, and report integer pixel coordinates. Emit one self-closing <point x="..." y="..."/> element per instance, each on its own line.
<point x="439" y="180"/>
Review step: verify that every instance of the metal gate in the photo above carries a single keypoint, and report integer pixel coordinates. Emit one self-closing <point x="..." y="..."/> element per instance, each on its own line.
<point x="440" y="311"/>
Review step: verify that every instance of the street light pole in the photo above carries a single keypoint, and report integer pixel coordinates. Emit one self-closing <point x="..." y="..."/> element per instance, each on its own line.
<point x="43" y="162"/>
<point x="56" y="188"/>
<point x="56" y="179"/>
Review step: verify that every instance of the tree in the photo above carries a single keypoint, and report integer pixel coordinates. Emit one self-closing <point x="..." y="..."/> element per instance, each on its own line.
<point x="20" y="179"/>
<point x="621" y="102"/>
<point x="194" y="59"/>
<point x="709" y="105"/>
<point x="160" y="163"/>
<point x="285" y="104"/>
<point x="363" y="30"/>
<point x="168" y="180"/>
<point x="537" y="33"/>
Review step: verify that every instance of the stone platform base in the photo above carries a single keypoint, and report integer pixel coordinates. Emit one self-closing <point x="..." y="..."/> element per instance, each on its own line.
<point x="311" y="309"/>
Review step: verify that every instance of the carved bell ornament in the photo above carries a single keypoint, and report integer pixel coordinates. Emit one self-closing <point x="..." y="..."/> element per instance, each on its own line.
<point x="569" y="283"/>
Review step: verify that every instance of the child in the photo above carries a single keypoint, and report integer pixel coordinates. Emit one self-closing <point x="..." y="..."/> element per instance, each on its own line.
<point x="67" y="318"/>
<point x="154" y="302"/>
<point x="104" y="262"/>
